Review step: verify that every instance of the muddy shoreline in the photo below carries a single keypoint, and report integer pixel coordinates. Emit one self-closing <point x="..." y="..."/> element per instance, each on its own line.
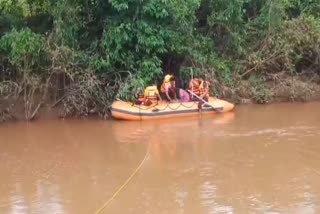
<point x="48" y="113"/>
<point x="284" y="89"/>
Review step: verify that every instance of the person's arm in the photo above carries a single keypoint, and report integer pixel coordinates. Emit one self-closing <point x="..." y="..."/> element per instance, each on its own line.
<point x="206" y="88"/>
<point x="175" y="95"/>
<point x="206" y="92"/>
<point x="158" y="95"/>
<point x="201" y="84"/>
<point x="173" y="86"/>
<point x="167" y="94"/>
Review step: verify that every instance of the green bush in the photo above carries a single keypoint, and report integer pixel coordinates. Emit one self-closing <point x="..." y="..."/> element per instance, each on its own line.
<point x="24" y="49"/>
<point x="95" y="51"/>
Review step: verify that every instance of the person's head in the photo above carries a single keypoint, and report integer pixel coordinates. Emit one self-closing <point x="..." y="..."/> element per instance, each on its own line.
<point x="172" y="78"/>
<point x="203" y="77"/>
<point x="173" y="81"/>
<point x="167" y="78"/>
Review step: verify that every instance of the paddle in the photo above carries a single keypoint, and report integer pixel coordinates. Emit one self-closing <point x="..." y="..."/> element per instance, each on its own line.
<point x="219" y="109"/>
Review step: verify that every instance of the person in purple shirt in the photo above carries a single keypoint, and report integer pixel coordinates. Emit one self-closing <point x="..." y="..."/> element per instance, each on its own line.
<point x="183" y="95"/>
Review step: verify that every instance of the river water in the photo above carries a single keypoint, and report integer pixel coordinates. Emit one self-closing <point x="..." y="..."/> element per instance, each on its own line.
<point x="258" y="159"/>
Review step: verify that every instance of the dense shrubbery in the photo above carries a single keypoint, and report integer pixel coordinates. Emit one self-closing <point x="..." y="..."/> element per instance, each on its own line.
<point x="82" y="54"/>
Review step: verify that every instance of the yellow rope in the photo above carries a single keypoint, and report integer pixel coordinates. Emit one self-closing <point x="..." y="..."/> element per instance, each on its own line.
<point x="125" y="183"/>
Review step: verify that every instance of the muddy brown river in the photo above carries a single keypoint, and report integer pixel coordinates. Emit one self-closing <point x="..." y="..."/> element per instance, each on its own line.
<point x="259" y="159"/>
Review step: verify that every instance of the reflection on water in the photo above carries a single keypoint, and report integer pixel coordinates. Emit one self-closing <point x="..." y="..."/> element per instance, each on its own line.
<point x="259" y="159"/>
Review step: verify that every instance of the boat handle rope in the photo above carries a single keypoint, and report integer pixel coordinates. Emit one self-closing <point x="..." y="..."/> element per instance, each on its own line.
<point x="167" y="106"/>
<point x="125" y="183"/>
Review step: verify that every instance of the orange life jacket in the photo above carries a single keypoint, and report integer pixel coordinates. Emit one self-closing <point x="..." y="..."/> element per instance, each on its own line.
<point x="204" y="88"/>
<point x="194" y="86"/>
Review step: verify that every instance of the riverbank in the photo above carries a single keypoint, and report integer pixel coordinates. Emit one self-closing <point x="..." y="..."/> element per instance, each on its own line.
<point x="278" y="89"/>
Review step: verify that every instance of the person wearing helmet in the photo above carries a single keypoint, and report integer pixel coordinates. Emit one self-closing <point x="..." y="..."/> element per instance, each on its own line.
<point x="194" y="87"/>
<point x="152" y="95"/>
<point x="204" y="91"/>
<point x="168" y="88"/>
<point x="201" y="88"/>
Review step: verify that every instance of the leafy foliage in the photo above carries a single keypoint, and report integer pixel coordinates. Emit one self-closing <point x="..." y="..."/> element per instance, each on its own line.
<point x="22" y="46"/>
<point x="108" y="49"/>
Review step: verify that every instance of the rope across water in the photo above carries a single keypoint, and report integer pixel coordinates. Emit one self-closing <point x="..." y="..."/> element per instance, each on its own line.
<point x="125" y="183"/>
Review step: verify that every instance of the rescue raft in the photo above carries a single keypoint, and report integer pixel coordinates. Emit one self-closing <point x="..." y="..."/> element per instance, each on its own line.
<point x="129" y="111"/>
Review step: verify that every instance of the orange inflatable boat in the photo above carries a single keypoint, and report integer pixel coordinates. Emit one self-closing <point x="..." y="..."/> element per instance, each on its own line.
<point x="129" y="111"/>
